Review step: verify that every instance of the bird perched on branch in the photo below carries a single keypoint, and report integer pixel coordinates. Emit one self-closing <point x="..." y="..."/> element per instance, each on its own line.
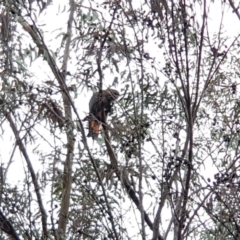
<point x="100" y="105"/>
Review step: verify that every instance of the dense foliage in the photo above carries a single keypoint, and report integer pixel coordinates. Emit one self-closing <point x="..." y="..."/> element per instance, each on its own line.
<point x="165" y="165"/>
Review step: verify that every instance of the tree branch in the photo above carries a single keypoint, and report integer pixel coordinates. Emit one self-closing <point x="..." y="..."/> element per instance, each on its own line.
<point x="32" y="172"/>
<point x="67" y="176"/>
<point x="7" y="227"/>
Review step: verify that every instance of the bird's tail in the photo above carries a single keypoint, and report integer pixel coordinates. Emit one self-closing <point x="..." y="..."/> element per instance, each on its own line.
<point x="94" y="128"/>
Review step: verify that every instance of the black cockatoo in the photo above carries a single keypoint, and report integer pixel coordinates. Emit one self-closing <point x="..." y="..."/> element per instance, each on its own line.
<point x="100" y="105"/>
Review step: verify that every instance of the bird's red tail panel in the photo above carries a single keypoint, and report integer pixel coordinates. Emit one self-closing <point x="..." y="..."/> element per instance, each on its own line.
<point x="95" y="127"/>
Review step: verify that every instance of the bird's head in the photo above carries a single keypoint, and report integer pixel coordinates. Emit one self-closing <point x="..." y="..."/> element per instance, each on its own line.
<point x="113" y="93"/>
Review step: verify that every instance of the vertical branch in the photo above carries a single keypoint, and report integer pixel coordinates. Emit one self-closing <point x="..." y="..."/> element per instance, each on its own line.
<point x="186" y="188"/>
<point x="185" y="26"/>
<point x="140" y="49"/>
<point x="189" y="119"/>
<point x="176" y="59"/>
<point x="190" y="122"/>
<point x="99" y="53"/>
<point x="123" y="178"/>
<point x="67" y="176"/>
<point x="68" y="104"/>
<point x="32" y="173"/>
<point x="187" y="107"/>
<point x="199" y="60"/>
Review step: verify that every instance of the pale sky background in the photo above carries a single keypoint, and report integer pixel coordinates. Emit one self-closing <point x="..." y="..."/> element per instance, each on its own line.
<point x="55" y="19"/>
